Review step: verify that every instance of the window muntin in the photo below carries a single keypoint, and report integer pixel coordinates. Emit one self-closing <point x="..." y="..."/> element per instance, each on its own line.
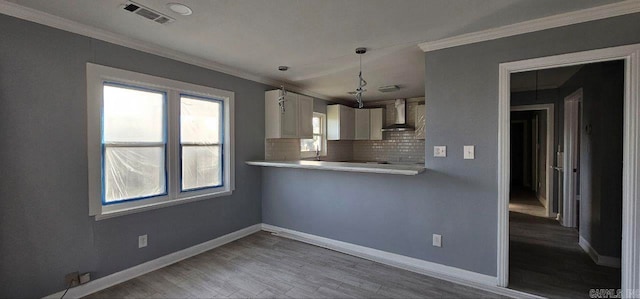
<point x="308" y="147"/>
<point x="201" y="146"/>
<point x="142" y="140"/>
<point x="133" y="143"/>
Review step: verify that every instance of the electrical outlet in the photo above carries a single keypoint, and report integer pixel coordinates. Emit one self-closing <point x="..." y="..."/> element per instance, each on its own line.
<point x="72" y="279"/>
<point x="440" y="151"/>
<point x="437" y="240"/>
<point x="85" y="277"/>
<point x="469" y="152"/>
<point x="142" y="241"/>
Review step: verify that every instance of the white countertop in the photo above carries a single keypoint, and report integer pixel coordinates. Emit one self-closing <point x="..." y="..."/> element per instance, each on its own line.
<point x="402" y="169"/>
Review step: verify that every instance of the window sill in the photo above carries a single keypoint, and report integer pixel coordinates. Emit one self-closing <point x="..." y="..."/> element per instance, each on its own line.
<point x="153" y="206"/>
<point x="306" y="155"/>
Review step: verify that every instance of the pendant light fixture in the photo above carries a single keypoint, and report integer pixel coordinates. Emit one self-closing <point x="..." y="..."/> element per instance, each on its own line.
<point x="283" y="92"/>
<point x="281" y="99"/>
<point x="361" y="82"/>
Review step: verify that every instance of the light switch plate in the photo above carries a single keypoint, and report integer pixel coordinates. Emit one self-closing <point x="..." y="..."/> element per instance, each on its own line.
<point x="142" y="241"/>
<point x="437" y="240"/>
<point x="469" y="152"/>
<point x="440" y="151"/>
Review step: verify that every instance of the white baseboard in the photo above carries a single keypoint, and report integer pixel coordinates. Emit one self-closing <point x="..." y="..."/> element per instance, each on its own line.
<point x="448" y="273"/>
<point x="135" y="271"/>
<point x="542" y="200"/>
<point x="602" y="260"/>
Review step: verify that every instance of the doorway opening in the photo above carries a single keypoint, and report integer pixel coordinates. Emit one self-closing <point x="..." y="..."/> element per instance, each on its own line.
<point x="580" y="250"/>
<point x="532" y="140"/>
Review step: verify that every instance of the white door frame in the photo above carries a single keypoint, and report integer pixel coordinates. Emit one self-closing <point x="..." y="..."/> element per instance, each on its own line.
<point x="571" y="128"/>
<point x="549" y="108"/>
<point x="631" y="154"/>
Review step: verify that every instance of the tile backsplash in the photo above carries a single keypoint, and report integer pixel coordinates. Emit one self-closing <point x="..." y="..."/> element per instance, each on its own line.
<point x="282" y="149"/>
<point x="339" y="150"/>
<point x="396" y="147"/>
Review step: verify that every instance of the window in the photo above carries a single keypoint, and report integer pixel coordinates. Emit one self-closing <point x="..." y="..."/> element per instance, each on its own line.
<point x="133" y="143"/>
<point x="155" y="142"/>
<point x="308" y="147"/>
<point x="200" y="143"/>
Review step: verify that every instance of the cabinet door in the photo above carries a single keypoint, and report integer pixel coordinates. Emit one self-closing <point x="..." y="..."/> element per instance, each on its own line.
<point x="289" y="119"/>
<point x="362" y="124"/>
<point x="420" y="122"/>
<point x="333" y="122"/>
<point x="376" y="122"/>
<point x="347" y="123"/>
<point x="305" y="117"/>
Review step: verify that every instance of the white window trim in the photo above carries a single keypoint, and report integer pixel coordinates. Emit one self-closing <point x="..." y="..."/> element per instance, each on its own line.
<point x="323" y="133"/>
<point x="96" y="76"/>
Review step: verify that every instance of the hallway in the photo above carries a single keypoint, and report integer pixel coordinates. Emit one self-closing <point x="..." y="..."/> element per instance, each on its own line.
<point x="525" y="202"/>
<point x="545" y="259"/>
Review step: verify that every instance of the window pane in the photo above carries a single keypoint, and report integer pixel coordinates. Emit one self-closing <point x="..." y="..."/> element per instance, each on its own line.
<point x="311" y="145"/>
<point x="316" y="125"/>
<point x="200" y="121"/>
<point x="201" y="166"/>
<point x="133" y="172"/>
<point x="132" y="115"/>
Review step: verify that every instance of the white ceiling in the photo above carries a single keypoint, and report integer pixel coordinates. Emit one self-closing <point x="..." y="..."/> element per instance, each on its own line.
<point x="316" y="39"/>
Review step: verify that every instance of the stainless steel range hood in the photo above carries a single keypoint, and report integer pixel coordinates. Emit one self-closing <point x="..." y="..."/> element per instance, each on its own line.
<point x="400" y="124"/>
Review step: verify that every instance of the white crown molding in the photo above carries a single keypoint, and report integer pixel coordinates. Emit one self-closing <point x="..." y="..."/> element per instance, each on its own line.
<point x="36" y="16"/>
<point x="564" y="19"/>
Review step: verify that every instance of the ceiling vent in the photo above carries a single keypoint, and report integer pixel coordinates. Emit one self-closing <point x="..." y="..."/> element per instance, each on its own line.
<point x="147" y="13"/>
<point x="388" y="88"/>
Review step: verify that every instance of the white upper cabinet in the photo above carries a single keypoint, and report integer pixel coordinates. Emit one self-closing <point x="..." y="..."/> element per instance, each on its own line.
<point x="420" y="122"/>
<point x="376" y="121"/>
<point x="305" y="115"/>
<point x="294" y="122"/>
<point x="340" y="122"/>
<point x="362" y="124"/>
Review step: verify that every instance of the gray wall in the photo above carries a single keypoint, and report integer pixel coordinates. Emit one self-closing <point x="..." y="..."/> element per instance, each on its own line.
<point x="456" y="198"/>
<point x="45" y="228"/>
<point x="601" y="152"/>
<point x="320" y="106"/>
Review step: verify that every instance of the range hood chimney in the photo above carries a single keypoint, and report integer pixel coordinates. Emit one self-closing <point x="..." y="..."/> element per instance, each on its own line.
<point x="400" y="124"/>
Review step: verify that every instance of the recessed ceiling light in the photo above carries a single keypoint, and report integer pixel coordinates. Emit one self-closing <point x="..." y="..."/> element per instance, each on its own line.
<point x="180" y="9"/>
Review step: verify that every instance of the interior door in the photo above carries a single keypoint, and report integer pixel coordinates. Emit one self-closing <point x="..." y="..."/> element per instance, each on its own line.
<point x="571" y="158"/>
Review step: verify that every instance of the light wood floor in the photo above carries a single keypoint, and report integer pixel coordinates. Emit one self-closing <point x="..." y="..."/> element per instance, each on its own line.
<point x="525" y="202"/>
<point x="545" y="259"/>
<point x="266" y="266"/>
